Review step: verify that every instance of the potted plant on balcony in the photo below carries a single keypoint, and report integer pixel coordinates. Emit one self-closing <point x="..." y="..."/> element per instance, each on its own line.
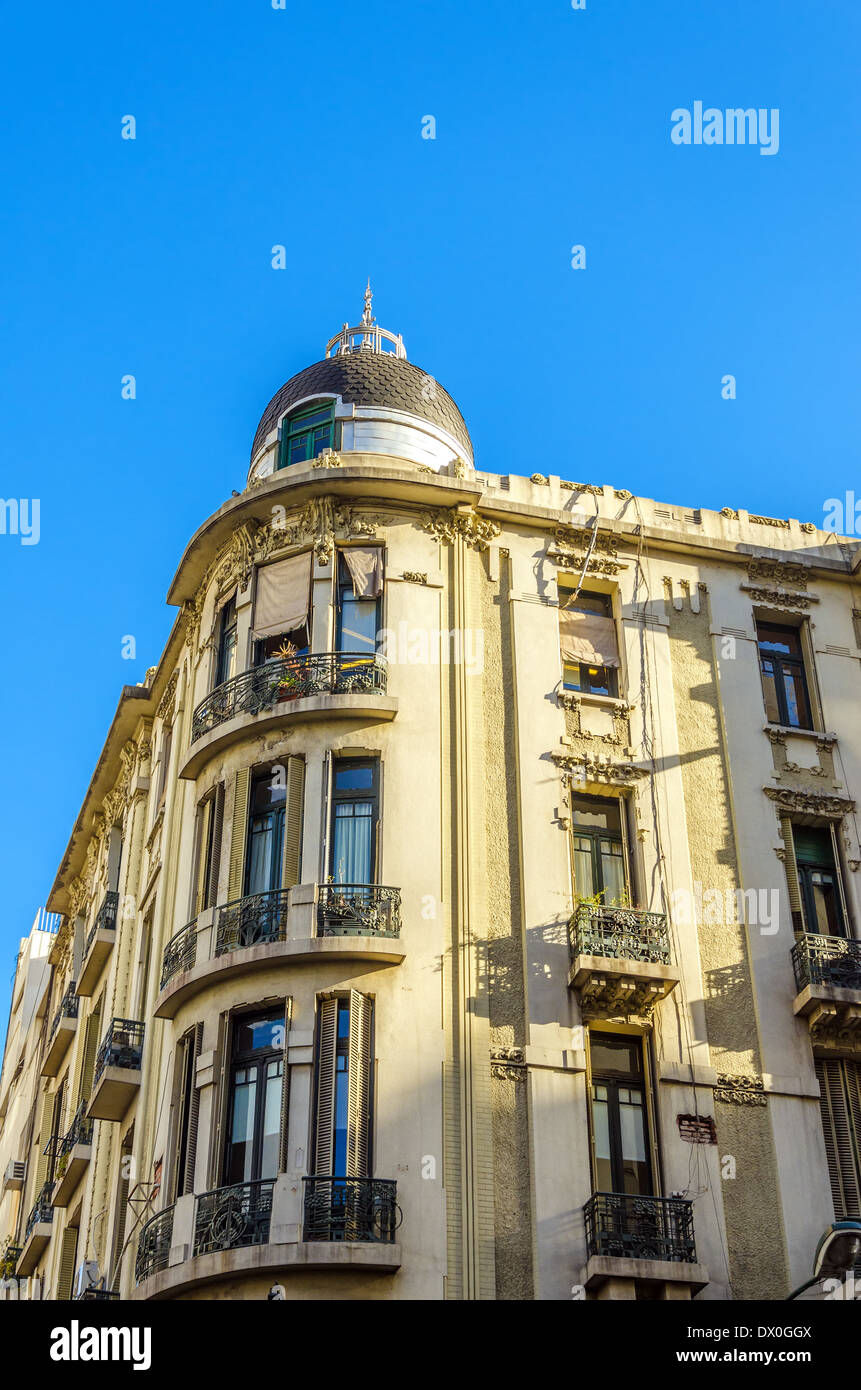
<point x="8" y="1258"/>
<point x="286" y="684"/>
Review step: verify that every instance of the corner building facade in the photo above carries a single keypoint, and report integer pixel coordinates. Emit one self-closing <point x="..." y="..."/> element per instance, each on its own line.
<point x="466" y="905"/>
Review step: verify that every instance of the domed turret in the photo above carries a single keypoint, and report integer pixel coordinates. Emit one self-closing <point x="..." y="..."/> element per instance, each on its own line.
<point x="365" y="397"/>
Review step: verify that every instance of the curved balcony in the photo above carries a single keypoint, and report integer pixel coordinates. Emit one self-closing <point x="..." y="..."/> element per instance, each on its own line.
<point x="304" y="923"/>
<point x="269" y="1229"/>
<point x="154" y="1245"/>
<point x="620" y="960"/>
<point x="828" y="983"/>
<point x="324" y="685"/>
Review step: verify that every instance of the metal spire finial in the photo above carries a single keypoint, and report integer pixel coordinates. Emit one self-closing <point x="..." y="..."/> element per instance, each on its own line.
<point x="367" y="315"/>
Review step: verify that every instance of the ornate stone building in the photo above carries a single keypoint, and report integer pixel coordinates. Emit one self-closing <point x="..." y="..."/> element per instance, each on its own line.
<point x="466" y="905"/>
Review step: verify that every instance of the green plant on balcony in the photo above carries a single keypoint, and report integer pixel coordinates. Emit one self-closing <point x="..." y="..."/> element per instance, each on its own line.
<point x="8" y="1258"/>
<point x="285" y="681"/>
<point x="62" y="1165"/>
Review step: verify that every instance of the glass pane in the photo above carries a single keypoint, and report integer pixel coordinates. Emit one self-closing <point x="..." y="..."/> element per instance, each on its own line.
<point x="351" y="842"/>
<point x="769" y="690"/>
<point x="598" y="679"/>
<point x="597" y="812"/>
<point x="303" y="419"/>
<point x="353" y="777"/>
<point x="584" y="881"/>
<point x="825" y="906"/>
<point x="242" y="1127"/>
<point x="632" y="1124"/>
<point x="796" y="698"/>
<point x="613" y="872"/>
<point x="271" y="1121"/>
<point x="601" y="1122"/>
<point x="571" y="677"/>
<point x="253" y="1034"/>
<point x="358" y="625"/>
<point x="615" y="1055"/>
<point x="785" y="640"/>
<point x="263" y="863"/>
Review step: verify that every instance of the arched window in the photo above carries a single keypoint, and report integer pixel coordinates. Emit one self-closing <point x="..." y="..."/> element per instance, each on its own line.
<point x="307" y="432"/>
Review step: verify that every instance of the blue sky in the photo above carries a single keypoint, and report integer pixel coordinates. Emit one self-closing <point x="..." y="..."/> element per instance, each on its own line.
<point x="302" y="127"/>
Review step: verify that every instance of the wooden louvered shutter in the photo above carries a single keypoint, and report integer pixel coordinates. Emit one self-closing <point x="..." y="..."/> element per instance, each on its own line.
<point x="838" y="874"/>
<point x="359" y="1087"/>
<point x="241" y="791"/>
<point x="215" y="845"/>
<point x="293" y="822"/>
<point x="180" y="1072"/>
<point x="792" y="882"/>
<point x="283" y="1151"/>
<point x="840" y="1092"/>
<point x="66" y="1271"/>
<point x="42" y="1159"/>
<point x="91" y="1047"/>
<point x="202" y="847"/>
<point x="187" y="1176"/>
<point x="222" y="1087"/>
<point x="327" y="1031"/>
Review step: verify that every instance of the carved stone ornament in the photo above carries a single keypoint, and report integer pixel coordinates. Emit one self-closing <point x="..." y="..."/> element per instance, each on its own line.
<point x="770" y="521"/>
<point x="415" y="577"/>
<point x="779" y="598"/>
<point x="594" y="488"/>
<point x="778" y="572"/>
<point x="729" y="513"/>
<point x="588" y="767"/>
<point x="327" y="459"/>
<point x="507" y="1063"/>
<point x="539" y="480"/>
<point x="793" y="800"/>
<point x="739" y="1090"/>
<point x="571" y="544"/>
<point x="477" y="531"/>
<point x="168" y="700"/>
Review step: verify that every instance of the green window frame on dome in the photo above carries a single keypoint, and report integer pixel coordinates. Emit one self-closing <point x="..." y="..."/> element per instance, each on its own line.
<point x="307" y="432"/>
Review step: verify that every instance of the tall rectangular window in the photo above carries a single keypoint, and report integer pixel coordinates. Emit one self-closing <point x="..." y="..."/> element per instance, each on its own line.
<point x="282" y="609"/>
<point x="620" y="1120"/>
<point x="307" y="432"/>
<point x="587" y="637"/>
<point x="784" y="681"/>
<point x="818" y="881"/>
<point x="354" y="814"/>
<point x="210" y="818"/>
<point x="264" y="854"/>
<point x="360" y="587"/>
<point x="255" y="1100"/>
<point x="225" y="667"/>
<point x="599" y="849"/>
<point x="342" y="1147"/>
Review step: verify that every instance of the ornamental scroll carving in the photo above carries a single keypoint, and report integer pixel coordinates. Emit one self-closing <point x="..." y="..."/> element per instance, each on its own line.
<point x="477" y="531"/>
<point x="571" y="545"/>
<point x="589" y="767"/>
<point x="739" y="1090"/>
<point x="778" y="572"/>
<point x="508" y="1063"/>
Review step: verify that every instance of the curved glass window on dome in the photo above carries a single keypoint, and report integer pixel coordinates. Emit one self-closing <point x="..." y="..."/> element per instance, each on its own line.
<point x="307" y="432"/>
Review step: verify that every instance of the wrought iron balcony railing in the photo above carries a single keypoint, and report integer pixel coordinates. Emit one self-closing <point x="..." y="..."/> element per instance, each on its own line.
<point x="251" y="921"/>
<point x="42" y="1210"/>
<point x="8" y="1260"/>
<point x="621" y="933"/>
<point x="68" y="1009"/>
<point x="122" y="1046"/>
<point x="154" y="1245"/>
<point x="180" y="953"/>
<point x="827" y="960"/>
<point x="233" y="1216"/>
<point x="358" y="909"/>
<point x="106" y="919"/>
<point x="289" y="678"/>
<point x="351" y="1209"/>
<point x="640" y="1228"/>
<point x="59" y="1147"/>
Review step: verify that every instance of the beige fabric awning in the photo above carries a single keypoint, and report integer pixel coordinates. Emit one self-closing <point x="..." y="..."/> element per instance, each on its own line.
<point x="365" y="564"/>
<point x="587" y="637"/>
<point x="283" y="595"/>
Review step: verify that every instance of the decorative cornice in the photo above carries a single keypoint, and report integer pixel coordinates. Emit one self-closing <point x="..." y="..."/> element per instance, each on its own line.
<point x="587" y="767"/>
<point x="779" y="598"/>
<point x="794" y="799"/>
<point x="168" y="700"/>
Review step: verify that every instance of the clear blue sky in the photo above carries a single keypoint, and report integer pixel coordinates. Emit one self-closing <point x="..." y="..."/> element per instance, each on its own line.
<point x="302" y="126"/>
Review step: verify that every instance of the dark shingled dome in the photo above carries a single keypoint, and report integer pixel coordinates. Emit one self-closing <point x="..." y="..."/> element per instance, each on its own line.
<point x="369" y="378"/>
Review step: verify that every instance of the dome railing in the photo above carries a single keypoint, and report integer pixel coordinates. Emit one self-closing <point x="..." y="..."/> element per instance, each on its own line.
<point x="365" y="338"/>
